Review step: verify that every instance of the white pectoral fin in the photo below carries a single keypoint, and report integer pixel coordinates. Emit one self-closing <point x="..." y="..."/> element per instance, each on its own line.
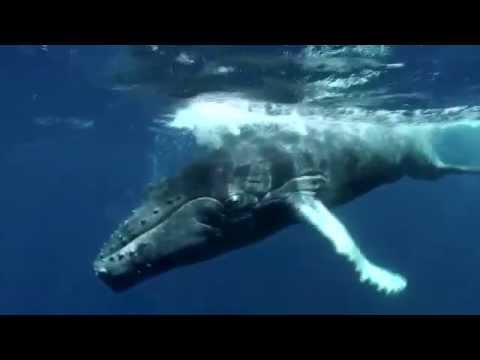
<point x="314" y="212"/>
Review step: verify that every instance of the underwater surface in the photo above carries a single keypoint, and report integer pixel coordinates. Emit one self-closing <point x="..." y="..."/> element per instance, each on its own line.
<point x="85" y="128"/>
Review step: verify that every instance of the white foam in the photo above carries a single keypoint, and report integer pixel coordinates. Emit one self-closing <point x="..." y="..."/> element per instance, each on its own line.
<point x="347" y="82"/>
<point x="210" y="117"/>
<point x="185" y="59"/>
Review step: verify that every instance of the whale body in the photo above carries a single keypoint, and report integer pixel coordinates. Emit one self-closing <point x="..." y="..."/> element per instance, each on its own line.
<point x="257" y="184"/>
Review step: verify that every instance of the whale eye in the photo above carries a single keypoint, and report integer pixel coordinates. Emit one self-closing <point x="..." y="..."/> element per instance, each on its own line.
<point x="235" y="198"/>
<point x="240" y="200"/>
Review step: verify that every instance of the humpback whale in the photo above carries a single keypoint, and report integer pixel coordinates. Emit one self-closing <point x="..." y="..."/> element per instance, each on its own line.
<point x="258" y="183"/>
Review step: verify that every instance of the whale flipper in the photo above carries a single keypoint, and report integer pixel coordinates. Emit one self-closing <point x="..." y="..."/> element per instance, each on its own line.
<point x="314" y="212"/>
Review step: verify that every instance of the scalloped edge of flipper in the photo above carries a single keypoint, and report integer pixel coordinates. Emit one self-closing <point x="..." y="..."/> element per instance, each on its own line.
<point x="315" y="213"/>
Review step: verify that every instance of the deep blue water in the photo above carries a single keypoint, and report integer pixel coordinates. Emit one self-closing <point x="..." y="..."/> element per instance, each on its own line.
<point x="64" y="189"/>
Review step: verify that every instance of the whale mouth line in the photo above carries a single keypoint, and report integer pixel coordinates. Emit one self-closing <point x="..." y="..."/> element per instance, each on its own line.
<point x="134" y="239"/>
<point x="130" y="248"/>
<point x="117" y="252"/>
<point x="121" y="233"/>
<point x="101" y="263"/>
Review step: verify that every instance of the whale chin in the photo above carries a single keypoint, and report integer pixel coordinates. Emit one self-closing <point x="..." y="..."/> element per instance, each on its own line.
<point x="185" y="236"/>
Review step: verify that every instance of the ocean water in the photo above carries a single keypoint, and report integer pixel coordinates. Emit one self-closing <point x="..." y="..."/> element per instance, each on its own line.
<point x="85" y="128"/>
